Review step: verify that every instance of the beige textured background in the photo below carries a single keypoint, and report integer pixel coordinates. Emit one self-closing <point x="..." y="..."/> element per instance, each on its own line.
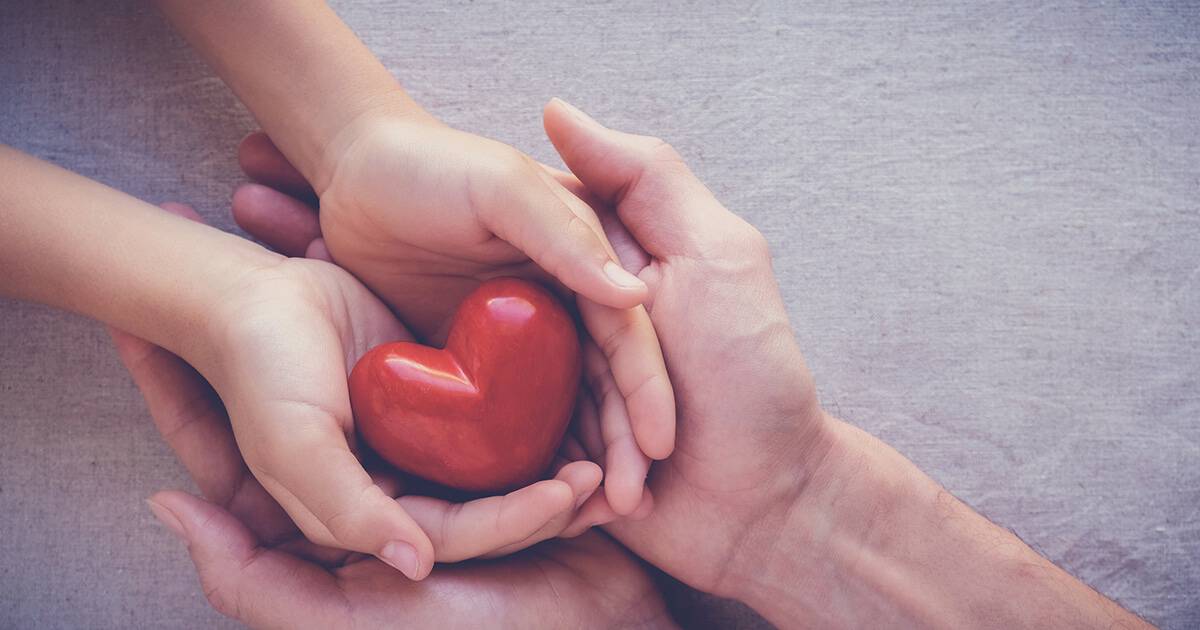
<point x="986" y="219"/>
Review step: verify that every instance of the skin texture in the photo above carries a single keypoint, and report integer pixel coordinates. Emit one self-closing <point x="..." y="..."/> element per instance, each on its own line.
<point x="423" y="213"/>
<point x="767" y="499"/>
<point x="256" y="567"/>
<point x="274" y="211"/>
<point x="807" y="519"/>
<point x="715" y="304"/>
<point x="487" y="412"/>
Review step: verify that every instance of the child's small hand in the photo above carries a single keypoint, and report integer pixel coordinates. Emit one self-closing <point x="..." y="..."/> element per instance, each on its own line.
<point x="423" y="213"/>
<point x="282" y="342"/>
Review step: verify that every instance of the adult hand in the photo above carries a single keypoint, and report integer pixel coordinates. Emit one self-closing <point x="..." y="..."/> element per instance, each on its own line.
<point x="283" y="341"/>
<point x="750" y="429"/>
<point x="767" y="499"/>
<point x="255" y="566"/>
<point x="423" y="213"/>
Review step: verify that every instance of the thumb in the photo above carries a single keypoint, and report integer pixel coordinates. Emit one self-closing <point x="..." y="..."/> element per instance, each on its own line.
<point x="657" y="197"/>
<point x="242" y="580"/>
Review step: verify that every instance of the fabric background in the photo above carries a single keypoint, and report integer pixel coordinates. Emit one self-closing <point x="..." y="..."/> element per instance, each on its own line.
<point x="984" y="215"/>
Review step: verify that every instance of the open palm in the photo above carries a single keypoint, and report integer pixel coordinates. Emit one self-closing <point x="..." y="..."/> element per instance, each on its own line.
<point x="256" y="567"/>
<point x="423" y="214"/>
<point x="277" y="419"/>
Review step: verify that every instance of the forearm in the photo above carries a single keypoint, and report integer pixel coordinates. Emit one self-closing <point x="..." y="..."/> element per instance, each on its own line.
<point x="76" y="244"/>
<point x="877" y="543"/>
<point x="299" y="69"/>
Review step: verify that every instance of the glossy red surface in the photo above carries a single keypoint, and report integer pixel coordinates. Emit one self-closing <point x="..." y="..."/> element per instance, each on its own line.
<point x="487" y="412"/>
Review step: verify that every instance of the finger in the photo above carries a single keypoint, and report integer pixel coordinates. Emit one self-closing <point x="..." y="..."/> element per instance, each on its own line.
<point x="625" y="466"/>
<point x="263" y="162"/>
<point x="286" y="224"/>
<point x="181" y="209"/>
<point x="634" y="359"/>
<point x="629" y="253"/>
<point x="516" y="520"/>
<point x="324" y="488"/>
<point x="584" y="477"/>
<point x="190" y="417"/>
<point x="572" y="450"/>
<point x="256" y="586"/>
<point x="667" y="209"/>
<point x="585" y="426"/>
<point x="530" y="210"/>
<point x="318" y="251"/>
<point x="186" y="412"/>
<point x="301" y="547"/>
<point x="597" y="511"/>
<point x="192" y="421"/>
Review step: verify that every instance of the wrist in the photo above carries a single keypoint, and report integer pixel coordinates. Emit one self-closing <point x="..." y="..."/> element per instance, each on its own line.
<point x="391" y="110"/>
<point x="822" y="566"/>
<point x="76" y="244"/>
<point x="874" y="542"/>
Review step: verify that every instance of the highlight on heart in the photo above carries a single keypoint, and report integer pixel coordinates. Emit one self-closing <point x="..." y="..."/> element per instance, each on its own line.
<point x="488" y="411"/>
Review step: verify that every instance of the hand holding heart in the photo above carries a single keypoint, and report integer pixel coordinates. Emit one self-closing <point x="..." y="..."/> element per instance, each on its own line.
<point x="486" y="413"/>
<point x="255" y="566"/>
<point x="289" y="409"/>
<point x="422" y="214"/>
<point x="714" y="302"/>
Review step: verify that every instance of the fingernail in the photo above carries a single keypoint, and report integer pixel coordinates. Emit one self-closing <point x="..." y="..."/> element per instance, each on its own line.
<point x="577" y="113"/>
<point x="168" y="518"/>
<point x="622" y="278"/>
<point x="402" y="557"/>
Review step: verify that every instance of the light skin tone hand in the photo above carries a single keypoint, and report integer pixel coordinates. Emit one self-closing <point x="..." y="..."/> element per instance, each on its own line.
<point x="423" y="213"/>
<point x="768" y="499"/>
<point x="235" y="310"/>
<point x="256" y="567"/>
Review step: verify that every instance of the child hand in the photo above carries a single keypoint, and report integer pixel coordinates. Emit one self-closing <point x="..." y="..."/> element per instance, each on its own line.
<point x="423" y="213"/>
<point x="283" y="341"/>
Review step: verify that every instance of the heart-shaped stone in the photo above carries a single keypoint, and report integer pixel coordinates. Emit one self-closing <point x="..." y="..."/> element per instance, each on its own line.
<point x="487" y="412"/>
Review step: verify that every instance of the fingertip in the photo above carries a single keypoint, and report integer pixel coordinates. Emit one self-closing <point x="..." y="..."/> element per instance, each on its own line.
<point x="624" y="485"/>
<point x="284" y="223"/>
<point x="251" y="146"/>
<point x="263" y="162"/>
<point x="317" y="250"/>
<point x="652" y="417"/>
<point x="403" y="557"/>
<point x="584" y="478"/>
<point x="558" y="493"/>
<point x="581" y="475"/>
<point x="159" y="504"/>
<point x="656" y="438"/>
<point x="559" y="110"/>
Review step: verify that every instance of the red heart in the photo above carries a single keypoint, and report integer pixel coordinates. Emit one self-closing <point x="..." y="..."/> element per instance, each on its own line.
<point x="487" y="412"/>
